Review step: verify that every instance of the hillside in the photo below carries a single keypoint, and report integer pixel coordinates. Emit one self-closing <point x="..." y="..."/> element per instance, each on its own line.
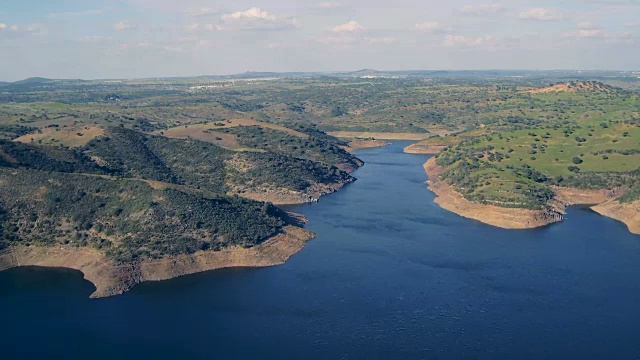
<point x="136" y="205"/>
<point x="146" y="179"/>
<point x="593" y="147"/>
<point x="574" y="86"/>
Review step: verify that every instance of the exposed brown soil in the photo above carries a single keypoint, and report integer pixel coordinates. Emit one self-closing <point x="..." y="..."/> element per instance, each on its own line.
<point x="365" y="144"/>
<point x="70" y="136"/>
<point x="572" y="196"/>
<point x="228" y="141"/>
<point x="423" y="148"/>
<point x="379" y="135"/>
<point x="628" y="213"/>
<point x="448" y="198"/>
<point x="281" y="196"/>
<point x="510" y="218"/>
<point x="207" y="132"/>
<point x="111" y="279"/>
<point x="579" y="86"/>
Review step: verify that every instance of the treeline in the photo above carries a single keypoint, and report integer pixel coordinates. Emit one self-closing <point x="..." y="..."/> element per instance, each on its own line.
<point x="47" y="158"/>
<point x="126" y="219"/>
<point x="98" y="195"/>
<point x="314" y="148"/>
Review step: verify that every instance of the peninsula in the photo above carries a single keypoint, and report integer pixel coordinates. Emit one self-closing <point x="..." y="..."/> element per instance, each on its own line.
<point x="515" y="176"/>
<point x="137" y="180"/>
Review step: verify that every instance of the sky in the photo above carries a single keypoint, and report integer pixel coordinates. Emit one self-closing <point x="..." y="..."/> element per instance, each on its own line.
<point x="158" y="38"/>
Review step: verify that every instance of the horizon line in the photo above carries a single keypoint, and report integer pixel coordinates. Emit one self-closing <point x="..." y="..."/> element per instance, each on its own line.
<point x="320" y="72"/>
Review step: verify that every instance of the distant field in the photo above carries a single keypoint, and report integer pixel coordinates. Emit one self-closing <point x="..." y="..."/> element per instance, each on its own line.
<point x="378" y="135"/>
<point x="206" y="132"/>
<point x="584" y="135"/>
<point x="71" y="137"/>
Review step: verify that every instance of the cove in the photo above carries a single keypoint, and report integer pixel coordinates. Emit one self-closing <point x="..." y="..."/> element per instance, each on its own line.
<point x="390" y="275"/>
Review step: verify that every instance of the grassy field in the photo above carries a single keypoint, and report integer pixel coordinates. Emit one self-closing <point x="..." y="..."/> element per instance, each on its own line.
<point x="571" y="132"/>
<point x="580" y="138"/>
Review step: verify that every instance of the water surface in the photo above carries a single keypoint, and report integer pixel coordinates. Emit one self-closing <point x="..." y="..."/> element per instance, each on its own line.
<point x="390" y="275"/>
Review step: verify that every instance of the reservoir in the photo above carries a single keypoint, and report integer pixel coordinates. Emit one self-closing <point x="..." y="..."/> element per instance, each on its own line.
<point x="390" y="275"/>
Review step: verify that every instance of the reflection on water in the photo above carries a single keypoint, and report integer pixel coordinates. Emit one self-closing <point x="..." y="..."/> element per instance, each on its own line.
<point x="390" y="275"/>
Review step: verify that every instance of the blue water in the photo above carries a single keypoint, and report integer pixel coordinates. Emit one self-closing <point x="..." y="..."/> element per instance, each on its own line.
<point x="390" y="275"/>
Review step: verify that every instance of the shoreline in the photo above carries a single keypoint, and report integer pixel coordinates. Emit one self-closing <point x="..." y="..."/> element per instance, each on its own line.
<point x="111" y="279"/>
<point x="379" y="135"/>
<point x="312" y="194"/>
<point x="358" y="144"/>
<point x="600" y="201"/>
<point x="507" y="218"/>
<point x="417" y="148"/>
<point x="290" y="197"/>
<point x="626" y="213"/>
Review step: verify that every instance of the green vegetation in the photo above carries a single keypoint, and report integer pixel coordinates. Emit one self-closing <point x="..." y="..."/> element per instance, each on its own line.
<point x="325" y="150"/>
<point x="127" y="219"/>
<point x="94" y="164"/>
<point x="585" y="140"/>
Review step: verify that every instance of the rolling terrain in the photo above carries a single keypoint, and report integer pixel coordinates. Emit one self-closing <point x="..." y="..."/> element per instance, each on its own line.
<point x="188" y="173"/>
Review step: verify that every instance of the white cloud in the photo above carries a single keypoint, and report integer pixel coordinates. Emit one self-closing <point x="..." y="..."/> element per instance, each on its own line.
<point x="349" y="27"/>
<point x="589" y="32"/>
<point x="542" y="14"/>
<point x="587" y="29"/>
<point x="461" y="40"/>
<point x="205" y="11"/>
<point x="124" y="25"/>
<point x="483" y="9"/>
<point x="253" y="13"/>
<point x="428" y="26"/>
<point x="256" y="19"/>
<point x="3" y="26"/>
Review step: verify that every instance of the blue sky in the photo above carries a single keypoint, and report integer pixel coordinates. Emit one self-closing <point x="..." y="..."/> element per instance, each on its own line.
<point x="146" y="38"/>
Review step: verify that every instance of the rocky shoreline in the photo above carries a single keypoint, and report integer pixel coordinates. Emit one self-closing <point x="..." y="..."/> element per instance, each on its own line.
<point x="111" y="279"/>
<point x="358" y="144"/>
<point x="419" y="148"/>
<point x="512" y="218"/>
<point x="507" y="218"/>
<point x="627" y="213"/>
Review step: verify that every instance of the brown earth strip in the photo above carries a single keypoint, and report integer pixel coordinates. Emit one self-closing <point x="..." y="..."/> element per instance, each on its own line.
<point x="448" y="198"/>
<point x="112" y="279"/>
<point x="379" y="135"/>
<point x="365" y="144"/>
<point x="427" y="149"/>
<point x="628" y="213"/>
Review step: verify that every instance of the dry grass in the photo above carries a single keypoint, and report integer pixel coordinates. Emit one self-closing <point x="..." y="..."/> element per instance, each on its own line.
<point x="207" y="132"/>
<point x="568" y="87"/>
<point x="72" y="136"/>
<point x="379" y="135"/>
<point x="203" y="133"/>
